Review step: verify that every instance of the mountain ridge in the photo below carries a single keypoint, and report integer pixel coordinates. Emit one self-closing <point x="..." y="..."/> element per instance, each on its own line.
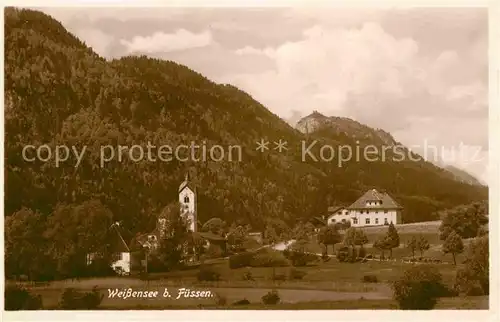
<point x="59" y="91"/>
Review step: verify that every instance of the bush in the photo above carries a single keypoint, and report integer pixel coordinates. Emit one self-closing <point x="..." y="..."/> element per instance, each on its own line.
<point x="299" y="258"/>
<point x="419" y="288"/>
<point x="342" y="254"/>
<point x="19" y="298"/>
<point x="269" y="258"/>
<point x="72" y="299"/>
<point x="296" y="274"/>
<point x="247" y="276"/>
<point x="369" y="279"/>
<point x="208" y="274"/>
<point x="242" y="302"/>
<point x="466" y="285"/>
<point x="213" y="251"/>
<point x="241" y="260"/>
<point x="271" y="298"/>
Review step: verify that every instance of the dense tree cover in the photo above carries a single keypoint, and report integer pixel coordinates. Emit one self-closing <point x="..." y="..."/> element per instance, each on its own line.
<point x="59" y="92"/>
<point x="57" y="247"/>
<point x="466" y="220"/>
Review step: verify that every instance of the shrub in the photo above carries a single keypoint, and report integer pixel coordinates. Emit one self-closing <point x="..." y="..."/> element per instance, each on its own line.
<point x="269" y="258"/>
<point x="362" y="252"/>
<point x="271" y="298"/>
<point x="241" y="260"/>
<point x="466" y="285"/>
<point x="419" y="288"/>
<point x="242" y="302"/>
<point x="299" y="258"/>
<point x="208" y="274"/>
<point x="72" y="299"/>
<point x="369" y="279"/>
<point x="213" y="251"/>
<point x="19" y="298"/>
<point x="247" y="276"/>
<point x="475" y="290"/>
<point x="342" y="254"/>
<point x="296" y="274"/>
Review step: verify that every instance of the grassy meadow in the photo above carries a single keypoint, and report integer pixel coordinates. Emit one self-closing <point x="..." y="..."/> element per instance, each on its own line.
<point x="324" y="285"/>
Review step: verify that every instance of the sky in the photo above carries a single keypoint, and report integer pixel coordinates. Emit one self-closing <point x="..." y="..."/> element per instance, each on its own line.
<point x="420" y="74"/>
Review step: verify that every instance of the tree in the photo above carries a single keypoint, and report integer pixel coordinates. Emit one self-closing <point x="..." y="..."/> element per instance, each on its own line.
<point x="173" y="248"/>
<point x="465" y="220"/>
<point x="412" y="245"/>
<point x="381" y="245"/>
<point x="477" y="266"/>
<point x="270" y="235"/>
<point x="329" y="236"/>
<point x="236" y="237"/>
<point x="25" y="245"/>
<point x="215" y="226"/>
<point x="350" y="237"/>
<point x="360" y="238"/>
<point x="454" y="245"/>
<point x="76" y="231"/>
<point x="392" y="238"/>
<point x="422" y="245"/>
<point x="418" y="288"/>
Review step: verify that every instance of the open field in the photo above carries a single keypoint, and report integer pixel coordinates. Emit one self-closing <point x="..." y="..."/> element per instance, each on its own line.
<point x="455" y="303"/>
<point x="325" y="285"/>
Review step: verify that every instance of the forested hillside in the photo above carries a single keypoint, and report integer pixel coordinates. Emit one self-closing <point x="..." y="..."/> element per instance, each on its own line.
<point x="58" y="91"/>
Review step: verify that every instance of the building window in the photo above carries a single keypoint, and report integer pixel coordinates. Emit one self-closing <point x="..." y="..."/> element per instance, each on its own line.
<point x="385" y="211"/>
<point x="343" y="220"/>
<point x="355" y="221"/>
<point x="376" y="211"/>
<point x="333" y="220"/>
<point x="367" y="221"/>
<point x="345" y="213"/>
<point x="340" y="212"/>
<point x="376" y="221"/>
<point x="385" y="221"/>
<point x="186" y="199"/>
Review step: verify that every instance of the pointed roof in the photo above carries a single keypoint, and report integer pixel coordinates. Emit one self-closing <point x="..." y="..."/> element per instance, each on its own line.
<point x="374" y="195"/>
<point x="185" y="183"/>
<point x="118" y="243"/>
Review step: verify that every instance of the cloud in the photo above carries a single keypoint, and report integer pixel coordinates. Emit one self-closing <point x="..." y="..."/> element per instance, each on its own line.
<point x="162" y="42"/>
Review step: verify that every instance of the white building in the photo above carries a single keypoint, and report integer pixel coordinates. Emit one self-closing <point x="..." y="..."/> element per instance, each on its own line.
<point x="372" y="209"/>
<point x="187" y="199"/>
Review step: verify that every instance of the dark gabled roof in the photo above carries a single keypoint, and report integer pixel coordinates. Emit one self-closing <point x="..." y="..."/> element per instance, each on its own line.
<point x="317" y="221"/>
<point x="335" y="208"/>
<point x="374" y="195"/>
<point x="118" y="242"/>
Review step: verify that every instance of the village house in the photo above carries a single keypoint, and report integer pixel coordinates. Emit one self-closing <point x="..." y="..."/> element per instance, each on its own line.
<point x="119" y="248"/>
<point x="374" y="208"/>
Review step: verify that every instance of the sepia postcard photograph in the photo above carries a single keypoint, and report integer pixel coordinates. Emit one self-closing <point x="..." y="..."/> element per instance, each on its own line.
<point x="247" y="158"/>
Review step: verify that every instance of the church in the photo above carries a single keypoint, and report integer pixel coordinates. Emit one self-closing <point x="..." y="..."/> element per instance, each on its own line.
<point x="188" y="209"/>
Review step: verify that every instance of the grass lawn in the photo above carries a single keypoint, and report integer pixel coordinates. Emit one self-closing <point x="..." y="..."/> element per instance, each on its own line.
<point x="453" y="303"/>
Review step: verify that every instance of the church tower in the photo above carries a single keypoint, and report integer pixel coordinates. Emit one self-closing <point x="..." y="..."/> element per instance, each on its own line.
<point x="187" y="199"/>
